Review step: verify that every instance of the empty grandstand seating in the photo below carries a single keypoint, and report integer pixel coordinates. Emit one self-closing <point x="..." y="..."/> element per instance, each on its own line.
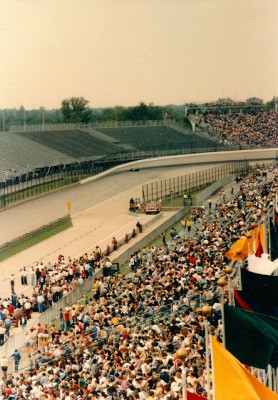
<point x="25" y="151"/>
<point x="157" y="138"/>
<point x="18" y="153"/>
<point x="73" y="143"/>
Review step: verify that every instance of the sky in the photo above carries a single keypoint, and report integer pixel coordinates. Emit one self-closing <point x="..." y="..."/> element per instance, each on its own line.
<point x="122" y="52"/>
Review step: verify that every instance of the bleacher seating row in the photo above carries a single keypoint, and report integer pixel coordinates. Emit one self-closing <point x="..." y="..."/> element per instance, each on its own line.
<point x="158" y="137"/>
<point x="73" y="143"/>
<point x="22" y="151"/>
<point x="18" y="153"/>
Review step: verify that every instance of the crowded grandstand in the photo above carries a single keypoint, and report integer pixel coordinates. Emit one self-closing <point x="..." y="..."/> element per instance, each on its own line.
<point x="122" y="338"/>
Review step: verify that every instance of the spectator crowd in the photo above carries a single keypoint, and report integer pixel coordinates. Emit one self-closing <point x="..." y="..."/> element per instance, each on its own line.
<point x="120" y="341"/>
<point x="250" y="129"/>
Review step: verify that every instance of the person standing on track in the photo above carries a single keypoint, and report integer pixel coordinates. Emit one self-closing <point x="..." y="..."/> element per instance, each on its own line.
<point x="12" y="281"/>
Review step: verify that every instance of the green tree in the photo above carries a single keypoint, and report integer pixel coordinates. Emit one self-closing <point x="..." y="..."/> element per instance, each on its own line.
<point x="113" y="114"/>
<point x="254" y="101"/>
<point x="76" y="109"/>
<point x="225" y="101"/>
<point x="155" y="112"/>
<point x="273" y="103"/>
<point x="137" y="113"/>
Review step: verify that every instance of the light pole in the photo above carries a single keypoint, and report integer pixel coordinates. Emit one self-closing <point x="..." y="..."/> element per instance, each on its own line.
<point x="182" y="354"/>
<point x="206" y="311"/>
<point x="3" y="120"/>
<point x="43" y="110"/>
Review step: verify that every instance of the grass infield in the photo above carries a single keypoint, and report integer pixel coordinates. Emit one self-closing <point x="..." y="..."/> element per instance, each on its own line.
<point x="33" y="239"/>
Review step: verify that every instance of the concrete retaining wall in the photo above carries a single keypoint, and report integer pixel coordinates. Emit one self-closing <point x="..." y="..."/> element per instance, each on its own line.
<point x="143" y="240"/>
<point x="204" y="194"/>
<point x="34" y="232"/>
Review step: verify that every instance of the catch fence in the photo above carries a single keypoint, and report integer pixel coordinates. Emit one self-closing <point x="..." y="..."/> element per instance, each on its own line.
<point x="186" y="184"/>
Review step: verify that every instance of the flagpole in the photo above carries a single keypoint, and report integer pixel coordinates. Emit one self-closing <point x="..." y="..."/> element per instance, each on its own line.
<point x="269" y="374"/>
<point x="222" y="283"/>
<point x="229" y="270"/>
<point x="254" y="239"/>
<point x="269" y="247"/>
<point x="239" y="275"/>
<point x="182" y="354"/>
<point x="274" y="380"/>
<point x="206" y="311"/>
<point x="267" y="241"/>
<point x="212" y="369"/>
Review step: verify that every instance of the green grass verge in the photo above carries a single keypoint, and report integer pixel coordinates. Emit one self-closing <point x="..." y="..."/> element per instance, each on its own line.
<point x="34" y="239"/>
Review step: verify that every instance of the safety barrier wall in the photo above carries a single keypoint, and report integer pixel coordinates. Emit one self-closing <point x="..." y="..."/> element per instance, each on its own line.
<point x="35" y="231"/>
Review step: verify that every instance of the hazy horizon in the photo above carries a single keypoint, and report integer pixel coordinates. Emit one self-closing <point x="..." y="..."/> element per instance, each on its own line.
<point x="118" y="53"/>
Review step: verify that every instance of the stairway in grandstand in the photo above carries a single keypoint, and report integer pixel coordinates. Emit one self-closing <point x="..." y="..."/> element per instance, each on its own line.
<point x="109" y="139"/>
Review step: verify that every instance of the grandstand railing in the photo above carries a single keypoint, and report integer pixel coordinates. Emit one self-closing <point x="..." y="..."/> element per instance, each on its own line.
<point x="67" y="126"/>
<point x="46" y="317"/>
<point x="140" y="318"/>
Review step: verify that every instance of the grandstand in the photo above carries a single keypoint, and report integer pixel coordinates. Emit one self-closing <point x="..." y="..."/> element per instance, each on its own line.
<point x="23" y="151"/>
<point x="158" y="138"/>
<point x="170" y="309"/>
<point x="124" y="324"/>
<point x="72" y="143"/>
<point x="19" y="153"/>
<point x="253" y="128"/>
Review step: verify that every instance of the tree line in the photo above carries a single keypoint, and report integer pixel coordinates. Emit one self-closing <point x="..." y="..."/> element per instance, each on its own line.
<point x="77" y="110"/>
